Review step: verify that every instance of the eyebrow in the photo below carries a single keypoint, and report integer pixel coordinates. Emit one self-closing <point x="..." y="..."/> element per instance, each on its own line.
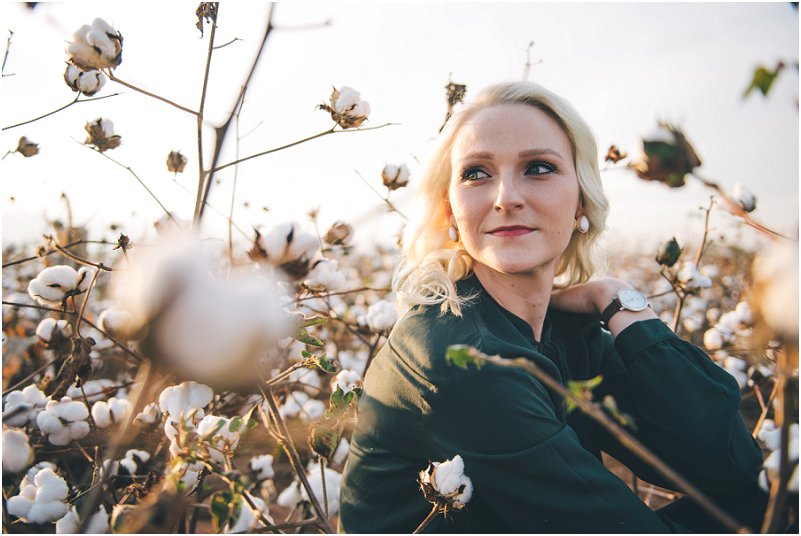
<point x="522" y="154"/>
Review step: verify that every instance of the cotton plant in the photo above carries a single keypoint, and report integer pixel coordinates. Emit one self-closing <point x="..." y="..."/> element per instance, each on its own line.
<point x="220" y="436"/>
<point x="95" y="46"/>
<point x="296" y="492"/>
<point x="286" y="247"/>
<point x="23" y="407"/>
<point x="445" y="485"/>
<point x="17" y="451"/>
<point x="42" y="498"/>
<point x="729" y="326"/>
<point x="300" y="404"/>
<point x="691" y="278"/>
<point x="63" y="421"/>
<point x="262" y="466"/>
<point x="101" y="135"/>
<point x="325" y="276"/>
<point x="347" y="108"/>
<point x="71" y="523"/>
<point x="129" y="465"/>
<point x="51" y="331"/>
<point x="211" y="329"/>
<point x="247" y="518"/>
<point x="381" y="316"/>
<point x="149" y="416"/>
<point x="86" y="82"/>
<point x="186" y="399"/>
<point x="106" y="413"/>
<point x="744" y="197"/>
<point x="395" y="176"/>
<point x="53" y="285"/>
<point x="115" y="322"/>
<point x="347" y="380"/>
<point x="770" y="435"/>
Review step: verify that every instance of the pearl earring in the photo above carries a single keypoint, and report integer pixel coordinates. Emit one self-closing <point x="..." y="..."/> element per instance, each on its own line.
<point x="582" y="224"/>
<point x="453" y="234"/>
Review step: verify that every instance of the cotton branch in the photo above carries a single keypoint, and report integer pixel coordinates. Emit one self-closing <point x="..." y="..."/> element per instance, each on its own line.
<point x="77" y="100"/>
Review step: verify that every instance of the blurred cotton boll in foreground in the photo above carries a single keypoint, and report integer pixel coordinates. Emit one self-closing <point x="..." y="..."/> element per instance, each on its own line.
<point x="774" y="299"/>
<point x="199" y="324"/>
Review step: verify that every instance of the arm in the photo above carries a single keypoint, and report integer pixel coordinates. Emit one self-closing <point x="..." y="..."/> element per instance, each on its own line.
<point x="527" y="466"/>
<point x="685" y="407"/>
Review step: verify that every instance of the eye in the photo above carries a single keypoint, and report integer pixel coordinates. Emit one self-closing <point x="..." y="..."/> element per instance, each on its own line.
<point x="540" y="168"/>
<point x="473" y="174"/>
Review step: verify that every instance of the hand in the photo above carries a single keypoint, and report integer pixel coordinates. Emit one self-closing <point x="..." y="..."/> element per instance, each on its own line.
<point x="593" y="297"/>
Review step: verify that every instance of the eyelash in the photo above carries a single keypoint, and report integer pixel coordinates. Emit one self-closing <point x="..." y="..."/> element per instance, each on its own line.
<point x="464" y="174"/>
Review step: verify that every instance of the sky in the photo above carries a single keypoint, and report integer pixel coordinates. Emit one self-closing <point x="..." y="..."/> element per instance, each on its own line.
<point x="623" y="66"/>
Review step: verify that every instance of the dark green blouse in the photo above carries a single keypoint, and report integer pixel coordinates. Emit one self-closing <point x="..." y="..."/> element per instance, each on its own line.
<point x="534" y="467"/>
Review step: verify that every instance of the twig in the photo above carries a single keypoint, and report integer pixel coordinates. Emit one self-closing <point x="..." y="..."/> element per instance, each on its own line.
<point x="111" y="76"/>
<point x="315" y="296"/>
<point x="233" y="189"/>
<point x="51" y="251"/>
<point x="315" y="136"/>
<point x="427" y="520"/>
<point x="765" y="410"/>
<point x="218" y="47"/>
<point x="221" y="131"/>
<point x="594" y="411"/>
<point x="132" y="172"/>
<point x="702" y="245"/>
<point x="80" y="260"/>
<point x="322" y="481"/>
<point x="269" y="526"/>
<point x="25" y="380"/>
<point x="5" y="56"/>
<point x="736" y="209"/>
<point x="294" y="459"/>
<point x="200" y="168"/>
<point x="77" y="100"/>
<point x="384" y="199"/>
<point x="83" y="305"/>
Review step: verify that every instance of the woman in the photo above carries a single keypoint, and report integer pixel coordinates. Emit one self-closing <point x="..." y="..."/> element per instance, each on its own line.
<point x="513" y="205"/>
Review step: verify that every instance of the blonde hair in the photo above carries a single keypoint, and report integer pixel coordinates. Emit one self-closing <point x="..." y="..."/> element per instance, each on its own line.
<point x="433" y="263"/>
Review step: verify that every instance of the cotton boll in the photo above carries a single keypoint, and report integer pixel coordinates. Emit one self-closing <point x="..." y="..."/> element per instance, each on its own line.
<point x="772" y="440"/>
<point x="24" y="406"/>
<point x="42" y="499"/>
<point x="107" y="413"/>
<point x="312" y="409"/>
<point x="63" y="421"/>
<point x="712" y="315"/>
<point x="47" y="326"/>
<point x="347" y="380"/>
<point x="692" y="324"/>
<point x="181" y="399"/>
<point x="713" y="339"/>
<point x="381" y="316"/>
<point x="263" y="466"/>
<point x="293" y="404"/>
<point x="448" y="477"/>
<point x="149" y="415"/>
<point x="296" y="492"/>
<point x="744" y="197"/>
<point x="248" y="519"/>
<point x="70" y="523"/>
<point x="17" y="452"/>
<point x="324" y="275"/>
<point x="308" y="377"/>
<point x="116" y="322"/>
<point x="347" y="108"/>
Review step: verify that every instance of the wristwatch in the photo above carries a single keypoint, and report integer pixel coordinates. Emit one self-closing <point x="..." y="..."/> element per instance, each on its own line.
<point x="627" y="299"/>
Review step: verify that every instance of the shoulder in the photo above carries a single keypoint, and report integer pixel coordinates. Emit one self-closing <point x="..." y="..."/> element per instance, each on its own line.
<point x="424" y="333"/>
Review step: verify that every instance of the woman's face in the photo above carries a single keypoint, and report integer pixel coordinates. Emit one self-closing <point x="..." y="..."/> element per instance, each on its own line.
<point x="514" y="193"/>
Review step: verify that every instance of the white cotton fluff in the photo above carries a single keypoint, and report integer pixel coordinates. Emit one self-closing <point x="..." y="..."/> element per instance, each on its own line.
<point x="293" y="405"/>
<point x="308" y="377"/>
<point x="149" y="415"/>
<point x="341" y="453"/>
<point x="95" y="47"/>
<point x="133" y="459"/>
<point x="692" y="324"/>
<point x="248" y="519"/>
<point x="287" y="243"/>
<point x="712" y="314"/>
<point x="312" y="409"/>
<point x="350" y="104"/>
<point x="691" y="277"/>
<point x="737" y="368"/>
<point x="295" y="493"/>
<point x="116" y="322"/>
<point x="713" y="339"/>
<point x="348" y="380"/>
<point x="355" y="361"/>
<point x="47" y="326"/>
<point x="743" y="310"/>
<point x="770" y="471"/>
<point x="22" y="407"/>
<point x="223" y="439"/>
<point x="449" y="476"/>
<point x="660" y="134"/>
<point x="70" y="523"/>
<point x="63" y="421"/>
<point x="42" y="500"/>
<point x="53" y="283"/>
<point x="776" y="275"/>
<point x="213" y="330"/>
<point x="180" y="399"/>
<point x="87" y="82"/>
<point x="107" y="413"/>
<point x="772" y="439"/>
<point x="262" y="465"/>
<point x="729" y="322"/>
<point x="381" y="316"/>
<point x="744" y="197"/>
<point x="17" y="452"/>
<point x="324" y="276"/>
<point x="94" y="389"/>
<point x="395" y="175"/>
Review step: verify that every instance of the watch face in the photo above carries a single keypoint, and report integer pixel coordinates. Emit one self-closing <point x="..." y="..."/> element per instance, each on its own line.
<point x="633" y="300"/>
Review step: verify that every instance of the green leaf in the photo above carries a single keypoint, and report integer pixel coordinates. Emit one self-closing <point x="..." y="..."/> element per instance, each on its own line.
<point x="763" y="79"/>
<point x="304" y="354"/>
<point x="217" y="428"/>
<point x="221" y="507"/>
<point x="323" y="363"/>
<point x="323" y="439"/>
<point x="581" y="389"/>
<point x="236" y="424"/>
<point x="306" y="338"/>
<point x="461" y="355"/>
<point x="314" y="321"/>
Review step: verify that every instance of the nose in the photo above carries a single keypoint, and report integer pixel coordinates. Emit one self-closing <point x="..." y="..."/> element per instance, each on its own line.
<point x="508" y="196"/>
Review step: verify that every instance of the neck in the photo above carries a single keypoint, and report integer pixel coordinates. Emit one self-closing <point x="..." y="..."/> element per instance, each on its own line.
<point x="525" y="295"/>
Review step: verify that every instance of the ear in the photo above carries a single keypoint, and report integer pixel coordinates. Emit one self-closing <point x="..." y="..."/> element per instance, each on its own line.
<point x="580" y="207"/>
<point x="449" y="212"/>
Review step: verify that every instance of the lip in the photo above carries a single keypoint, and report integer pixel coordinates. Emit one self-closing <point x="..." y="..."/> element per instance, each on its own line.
<point x="511" y="230"/>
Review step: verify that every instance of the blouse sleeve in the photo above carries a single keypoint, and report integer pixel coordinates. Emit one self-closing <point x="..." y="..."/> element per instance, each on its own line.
<point x="526" y="466"/>
<point x="686" y="409"/>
